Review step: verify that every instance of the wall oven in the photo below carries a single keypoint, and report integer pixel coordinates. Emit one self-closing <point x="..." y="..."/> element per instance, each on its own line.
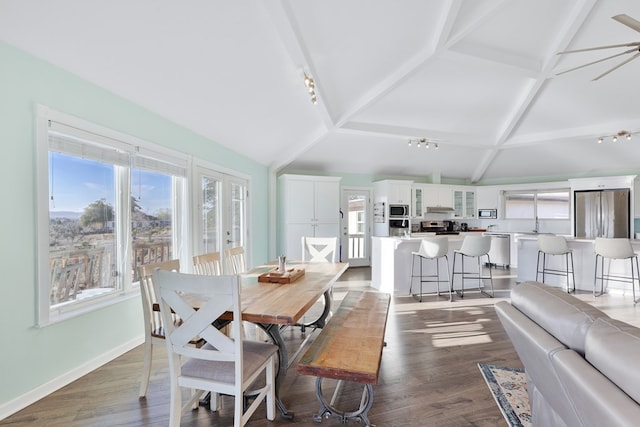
<point x="399" y="227"/>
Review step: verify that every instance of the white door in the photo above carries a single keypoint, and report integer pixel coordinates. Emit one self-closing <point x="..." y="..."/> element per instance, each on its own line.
<point x="234" y="218"/>
<point x="355" y="240"/>
<point x="221" y="218"/>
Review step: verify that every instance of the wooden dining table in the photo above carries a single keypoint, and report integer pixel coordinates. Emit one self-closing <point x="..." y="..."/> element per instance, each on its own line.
<point x="272" y="306"/>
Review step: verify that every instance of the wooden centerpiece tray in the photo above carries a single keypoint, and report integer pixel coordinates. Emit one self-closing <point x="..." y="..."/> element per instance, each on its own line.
<point x="274" y="276"/>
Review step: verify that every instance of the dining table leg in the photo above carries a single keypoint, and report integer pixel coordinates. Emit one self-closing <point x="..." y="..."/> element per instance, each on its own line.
<point x="273" y="330"/>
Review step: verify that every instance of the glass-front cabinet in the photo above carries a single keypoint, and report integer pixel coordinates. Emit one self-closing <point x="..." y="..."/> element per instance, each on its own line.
<point x="464" y="203"/>
<point x="417" y="205"/>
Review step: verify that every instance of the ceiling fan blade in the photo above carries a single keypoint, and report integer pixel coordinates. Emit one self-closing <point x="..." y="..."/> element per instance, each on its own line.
<point x="628" y="21"/>
<point x="617" y="66"/>
<point x="599" y="60"/>
<point x="600" y="47"/>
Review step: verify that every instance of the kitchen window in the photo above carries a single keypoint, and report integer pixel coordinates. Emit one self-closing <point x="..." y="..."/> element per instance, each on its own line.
<point x="542" y="204"/>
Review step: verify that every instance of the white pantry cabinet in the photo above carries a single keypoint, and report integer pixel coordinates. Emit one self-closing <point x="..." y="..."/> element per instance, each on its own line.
<point x="309" y="206"/>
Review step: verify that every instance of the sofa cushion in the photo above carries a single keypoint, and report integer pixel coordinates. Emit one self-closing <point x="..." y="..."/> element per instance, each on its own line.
<point x="562" y="315"/>
<point x="612" y="347"/>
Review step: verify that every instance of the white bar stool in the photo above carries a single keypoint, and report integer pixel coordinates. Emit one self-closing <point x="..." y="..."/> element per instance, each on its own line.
<point x="555" y="245"/>
<point x="615" y="249"/>
<point x="431" y="248"/>
<point x="473" y="247"/>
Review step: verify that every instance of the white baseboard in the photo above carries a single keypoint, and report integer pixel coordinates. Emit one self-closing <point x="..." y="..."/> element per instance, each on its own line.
<point x="32" y="396"/>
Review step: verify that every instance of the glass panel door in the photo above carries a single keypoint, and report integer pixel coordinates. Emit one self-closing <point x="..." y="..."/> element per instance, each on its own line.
<point x="210" y="213"/>
<point x="221" y="221"/>
<point x="356" y="234"/>
<point x="235" y="212"/>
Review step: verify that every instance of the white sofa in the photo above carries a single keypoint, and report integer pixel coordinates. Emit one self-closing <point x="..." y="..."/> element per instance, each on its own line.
<point x="582" y="367"/>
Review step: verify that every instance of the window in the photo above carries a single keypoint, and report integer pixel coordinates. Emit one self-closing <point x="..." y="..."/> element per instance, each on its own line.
<point x="547" y="204"/>
<point x="113" y="203"/>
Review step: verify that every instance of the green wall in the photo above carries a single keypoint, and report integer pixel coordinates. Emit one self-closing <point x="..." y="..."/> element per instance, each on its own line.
<point x="31" y="357"/>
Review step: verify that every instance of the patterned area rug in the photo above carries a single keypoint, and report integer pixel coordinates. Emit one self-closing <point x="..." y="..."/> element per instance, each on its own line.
<point x="509" y="389"/>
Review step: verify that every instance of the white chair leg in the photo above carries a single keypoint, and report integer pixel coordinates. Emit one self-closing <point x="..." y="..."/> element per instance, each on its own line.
<point x="238" y="410"/>
<point x="271" y="384"/>
<point x="146" y="368"/>
<point x="175" y="411"/>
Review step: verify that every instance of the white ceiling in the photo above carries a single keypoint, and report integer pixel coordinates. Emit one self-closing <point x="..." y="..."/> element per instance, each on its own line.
<point x="477" y="76"/>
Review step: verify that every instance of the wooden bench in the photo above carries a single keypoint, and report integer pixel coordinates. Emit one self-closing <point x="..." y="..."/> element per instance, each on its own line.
<point x="349" y="348"/>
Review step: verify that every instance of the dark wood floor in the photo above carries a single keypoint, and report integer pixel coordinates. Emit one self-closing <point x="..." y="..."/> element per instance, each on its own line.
<point x="429" y="374"/>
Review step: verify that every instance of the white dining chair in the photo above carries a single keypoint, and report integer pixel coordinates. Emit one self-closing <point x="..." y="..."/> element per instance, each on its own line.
<point x="225" y="365"/>
<point x="153" y="327"/>
<point x="208" y="264"/>
<point x="319" y="249"/>
<point x="235" y="262"/>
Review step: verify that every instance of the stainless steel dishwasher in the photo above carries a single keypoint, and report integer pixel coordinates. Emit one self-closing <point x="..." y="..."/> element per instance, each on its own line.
<point x="500" y="252"/>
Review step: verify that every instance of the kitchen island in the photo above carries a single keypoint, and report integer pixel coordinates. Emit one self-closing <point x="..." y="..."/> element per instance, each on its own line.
<point x="584" y="260"/>
<point x="391" y="264"/>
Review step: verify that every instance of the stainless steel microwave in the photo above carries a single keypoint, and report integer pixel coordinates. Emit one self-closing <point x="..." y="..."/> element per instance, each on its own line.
<point x="398" y="211"/>
<point x="487" y="213"/>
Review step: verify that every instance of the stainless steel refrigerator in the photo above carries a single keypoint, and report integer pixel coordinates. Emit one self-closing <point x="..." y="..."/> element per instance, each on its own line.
<point x="602" y="213"/>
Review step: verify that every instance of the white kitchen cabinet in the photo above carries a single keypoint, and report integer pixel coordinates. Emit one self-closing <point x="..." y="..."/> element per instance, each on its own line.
<point x="438" y="195"/>
<point x="417" y="201"/>
<point x="309" y="206"/>
<point x="488" y="197"/>
<point x="393" y="191"/>
<point x="464" y="203"/>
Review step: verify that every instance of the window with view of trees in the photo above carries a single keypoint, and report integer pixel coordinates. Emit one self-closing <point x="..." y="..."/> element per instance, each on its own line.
<point x="81" y="228"/>
<point x="112" y="207"/>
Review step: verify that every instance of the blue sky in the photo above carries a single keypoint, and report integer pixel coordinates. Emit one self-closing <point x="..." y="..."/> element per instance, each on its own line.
<point x="75" y="183"/>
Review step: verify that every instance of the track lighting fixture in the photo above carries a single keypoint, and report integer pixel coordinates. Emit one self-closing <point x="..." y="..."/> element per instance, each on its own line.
<point x="420" y="142"/>
<point x="311" y="87"/>
<point x="616" y="136"/>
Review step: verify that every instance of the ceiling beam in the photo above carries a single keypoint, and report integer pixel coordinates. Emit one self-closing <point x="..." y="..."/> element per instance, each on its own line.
<point x="531" y="90"/>
<point x="403" y="132"/>
<point x="408" y="68"/>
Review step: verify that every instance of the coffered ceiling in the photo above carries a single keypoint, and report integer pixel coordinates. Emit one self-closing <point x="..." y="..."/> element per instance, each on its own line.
<point x="477" y="77"/>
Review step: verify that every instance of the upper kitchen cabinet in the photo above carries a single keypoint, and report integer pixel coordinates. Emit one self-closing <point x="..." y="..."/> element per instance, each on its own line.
<point x="393" y="191"/>
<point x="437" y="195"/>
<point x="417" y="201"/>
<point x="309" y="206"/>
<point x="464" y="203"/>
<point x="488" y="197"/>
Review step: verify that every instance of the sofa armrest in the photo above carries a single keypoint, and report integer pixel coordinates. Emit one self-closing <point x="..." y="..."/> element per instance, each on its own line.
<point x="613" y="348"/>
<point x="598" y="401"/>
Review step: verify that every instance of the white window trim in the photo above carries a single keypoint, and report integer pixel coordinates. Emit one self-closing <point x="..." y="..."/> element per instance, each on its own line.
<point x="535" y="193"/>
<point x="45" y="315"/>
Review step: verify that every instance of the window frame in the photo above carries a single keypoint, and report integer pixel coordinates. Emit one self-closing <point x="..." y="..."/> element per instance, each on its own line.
<point x="535" y="193"/>
<point x="133" y="146"/>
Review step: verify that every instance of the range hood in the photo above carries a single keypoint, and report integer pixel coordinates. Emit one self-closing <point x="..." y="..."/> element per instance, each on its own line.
<point x="439" y="209"/>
